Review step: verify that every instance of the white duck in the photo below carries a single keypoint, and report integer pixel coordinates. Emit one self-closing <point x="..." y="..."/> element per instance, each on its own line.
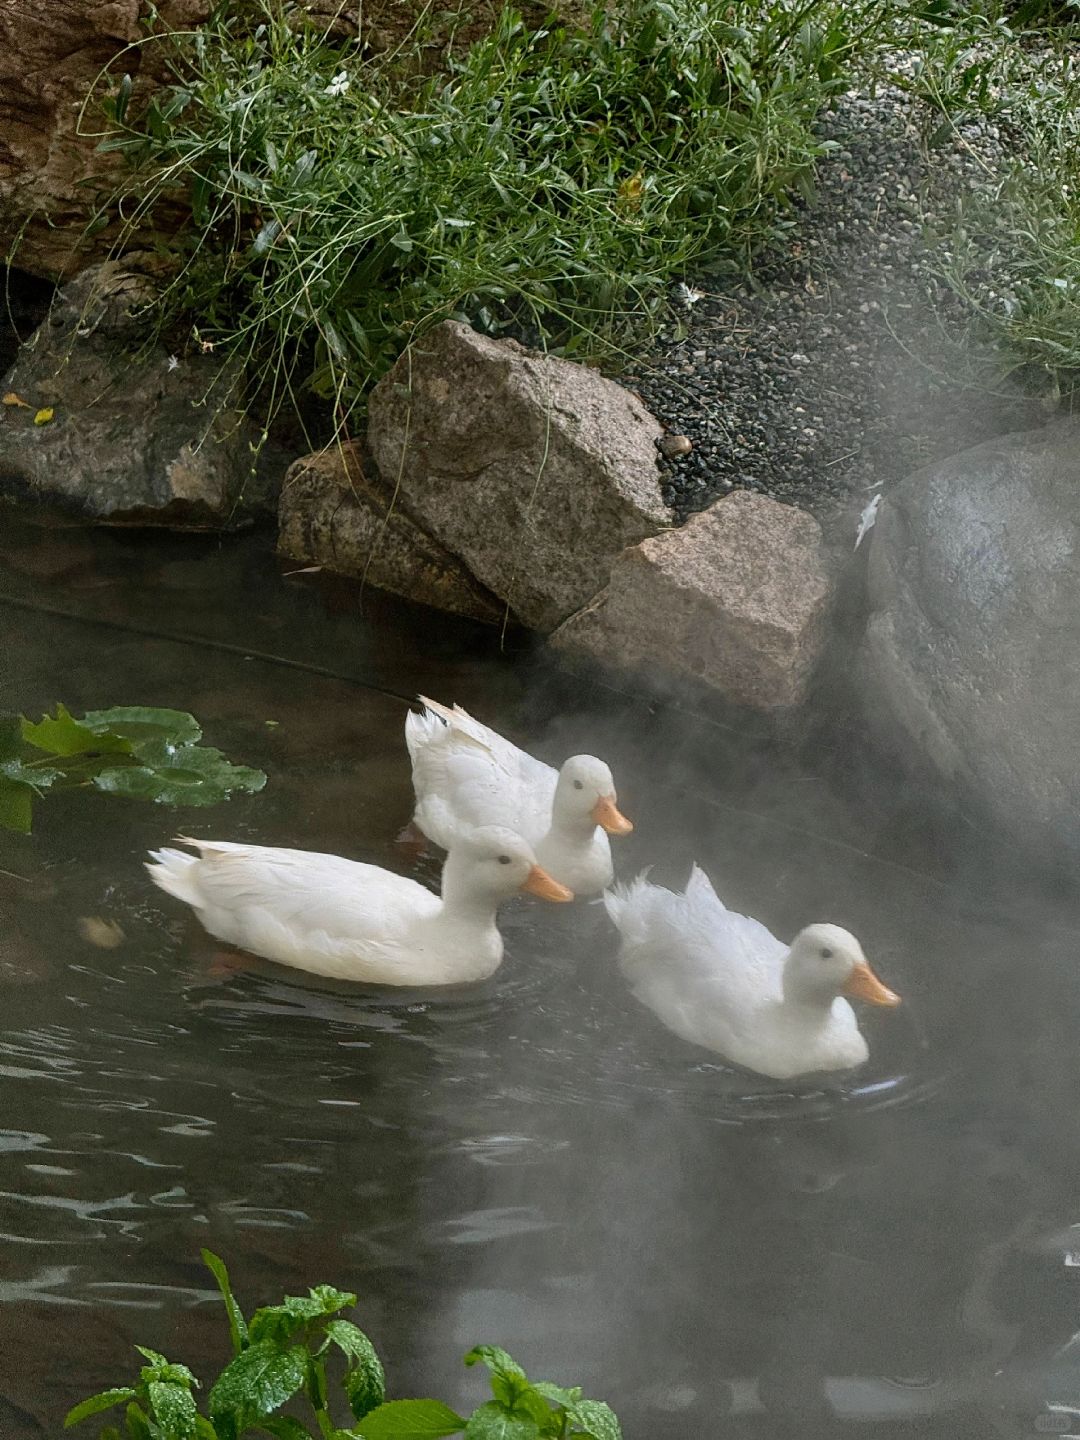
<point x="358" y="922"/>
<point x="722" y="980"/>
<point x="466" y="775"/>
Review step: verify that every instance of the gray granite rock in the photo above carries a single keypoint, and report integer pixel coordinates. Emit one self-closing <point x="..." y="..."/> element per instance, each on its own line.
<point x="133" y="436"/>
<point x="331" y="514"/>
<point x="534" y="471"/>
<point x="734" y="600"/>
<point x="972" y="649"/>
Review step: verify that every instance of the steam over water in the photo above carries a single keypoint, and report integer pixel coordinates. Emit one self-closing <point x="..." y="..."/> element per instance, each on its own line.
<point x="534" y="1161"/>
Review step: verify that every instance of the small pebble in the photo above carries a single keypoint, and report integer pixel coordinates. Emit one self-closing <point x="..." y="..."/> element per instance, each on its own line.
<point x="674" y="445"/>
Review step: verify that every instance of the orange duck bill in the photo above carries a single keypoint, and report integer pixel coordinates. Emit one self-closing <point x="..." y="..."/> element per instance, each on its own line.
<point x="606" y="814"/>
<point x="863" y="984"/>
<point x="539" y="882"/>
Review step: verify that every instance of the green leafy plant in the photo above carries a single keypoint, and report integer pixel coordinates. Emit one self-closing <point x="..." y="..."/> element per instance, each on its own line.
<point x="281" y="1355"/>
<point x="550" y="180"/>
<point x="131" y="750"/>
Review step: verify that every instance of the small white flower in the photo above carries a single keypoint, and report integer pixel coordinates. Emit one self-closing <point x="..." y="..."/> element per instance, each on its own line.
<point x="867" y="519"/>
<point x="685" y="296"/>
<point x="338" y="85"/>
<point x="173" y="363"/>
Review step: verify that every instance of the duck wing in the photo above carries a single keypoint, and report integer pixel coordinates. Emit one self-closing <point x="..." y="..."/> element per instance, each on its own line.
<point x="297" y="889"/>
<point x="465" y="775"/>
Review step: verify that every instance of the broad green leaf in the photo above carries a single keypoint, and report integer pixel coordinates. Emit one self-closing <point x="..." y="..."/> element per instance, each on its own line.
<point x="557" y="1394"/>
<point x="365" y="1381"/>
<point x="203" y="1429"/>
<point x="105" y="1400"/>
<point x="518" y="1397"/>
<point x="254" y="1385"/>
<point x="39" y="776"/>
<point x="491" y="1422"/>
<point x="498" y="1360"/>
<point x="165" y="1370"/>
<point x="62" y="734"/>
<point x="16" y="805"/>
<point x="179" y="775"/>
<point x="174" y="1410"/>
<point x="279" y="1321"/>
<point x="145" y="722"/>
<point x="237" y="1324"/>
<point x="410" y="1420"/>
<point x="137" y="1423"/>
<point x="593" y="1418"/>
<point x="284" y="1427"/>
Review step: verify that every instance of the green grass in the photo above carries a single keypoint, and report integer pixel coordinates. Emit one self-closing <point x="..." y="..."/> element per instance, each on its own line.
<point x="552" y="181"/>
<point x="1010" y="256"/>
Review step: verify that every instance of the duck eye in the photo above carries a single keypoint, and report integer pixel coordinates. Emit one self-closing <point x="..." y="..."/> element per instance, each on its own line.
<point x="826" y="953"/>
<point x="578" y="785"/>
<point x="504" y="859"/>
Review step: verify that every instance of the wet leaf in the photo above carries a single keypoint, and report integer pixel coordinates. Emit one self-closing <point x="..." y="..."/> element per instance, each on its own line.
<point x="365" y="1381"/>
<point x="594" y="1418"/>
<point x="143" y="722"/>
<point x="62" y="734"/>
<point x="254" y="1384"/>
<point x="179" y="775"/>
<point x="410" y="1420"/>
<point x="12" y="399"/>
<point x="237" y="1324"/>
<point x="45" y="415"/>
<point x="498" y="1360"/>
<point x="491" y="1422"/>
<point x="16" y="805"/>
<point x="174" y="1410"/>
<point x="279" y="1321"/>
<point x="39" y="776"/>
<point x="557" y="1394"/>
<point x="105" y="1400"/>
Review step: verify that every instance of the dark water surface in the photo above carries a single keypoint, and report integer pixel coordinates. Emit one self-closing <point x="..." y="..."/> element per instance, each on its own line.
<point x="533" y="1161"/>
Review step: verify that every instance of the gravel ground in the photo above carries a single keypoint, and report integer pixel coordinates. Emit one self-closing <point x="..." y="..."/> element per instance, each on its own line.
<point x="829" y="377"/>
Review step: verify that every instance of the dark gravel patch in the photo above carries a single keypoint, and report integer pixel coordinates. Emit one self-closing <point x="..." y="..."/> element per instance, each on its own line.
<point x="829" y="376"/>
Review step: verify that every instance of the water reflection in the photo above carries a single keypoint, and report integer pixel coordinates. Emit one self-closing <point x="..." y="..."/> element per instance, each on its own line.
<point x="534" y="1160"/>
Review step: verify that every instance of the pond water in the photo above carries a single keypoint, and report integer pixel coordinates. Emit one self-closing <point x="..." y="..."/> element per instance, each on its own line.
<point x="534" y="1161"/>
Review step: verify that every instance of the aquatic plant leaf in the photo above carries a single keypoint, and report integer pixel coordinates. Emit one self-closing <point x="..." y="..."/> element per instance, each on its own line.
<point x="410" y="1420"/>
<point x="62" y="734"/>
<point x="39" y="776"/>
<point x="365" y="1380"/>
<point x="238" y="1330"/>
<point x="595" y="1419"/>
<point x="16" y="805"/>
<point x="174" y="1410"/>
<point x="104" y="1400"/>
<point x="254" y="1384"/>
<point x="279" y="1321"/>
<point x="142" y="722"/>
<point x="179" y="775"/>
<point x="491" y="1422"/>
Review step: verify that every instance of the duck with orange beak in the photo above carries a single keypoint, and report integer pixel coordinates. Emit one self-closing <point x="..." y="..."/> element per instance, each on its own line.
<point x="337" y="917"/>
<point x="723" y="981"/>
<point x="465" y="775"/>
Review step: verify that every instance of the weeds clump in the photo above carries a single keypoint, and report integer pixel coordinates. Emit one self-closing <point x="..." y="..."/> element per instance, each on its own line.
<point x="549" y="180"/>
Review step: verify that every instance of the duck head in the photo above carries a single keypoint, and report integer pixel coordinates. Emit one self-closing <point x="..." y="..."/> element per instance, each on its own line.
<point x="585" y="797"/>
<point x="825" y="961"/>
<point x="490" y="864"/>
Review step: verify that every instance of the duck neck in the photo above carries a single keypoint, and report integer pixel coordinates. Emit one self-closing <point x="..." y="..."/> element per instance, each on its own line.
<point x="569" y="832"/>
<point x="462" y="901"/>
<point x="812" y="1002"/>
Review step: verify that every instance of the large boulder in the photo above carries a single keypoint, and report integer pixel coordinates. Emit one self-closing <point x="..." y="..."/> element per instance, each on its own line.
<point x="332" y="514"/>
<point x="974" y="630"/>
<point x="53" y="178"/>
<point x="535" y="471"/>
<point x="734" y="601"/>
<point x="99" y="418"/>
